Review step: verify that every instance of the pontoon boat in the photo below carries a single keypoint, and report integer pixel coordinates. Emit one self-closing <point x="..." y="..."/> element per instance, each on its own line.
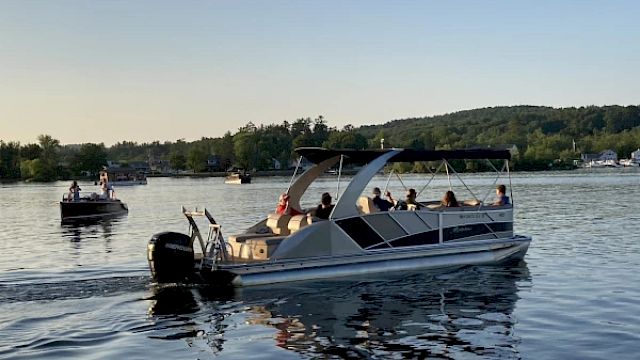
<point x="357" y="239"/>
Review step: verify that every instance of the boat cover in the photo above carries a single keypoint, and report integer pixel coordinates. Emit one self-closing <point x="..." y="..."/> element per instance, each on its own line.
<point x="318" y="154"/>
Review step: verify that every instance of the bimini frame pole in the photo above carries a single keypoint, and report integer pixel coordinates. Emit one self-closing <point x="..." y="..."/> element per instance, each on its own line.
<point x="433" y="175"/>
<point x="446" y="168"/>
<point x="339" y="175"/>
<point x="386" y="186"/>
<point x="495" y="181"/>
<point x="295" y="172"/>
<point x="510" y="186"/>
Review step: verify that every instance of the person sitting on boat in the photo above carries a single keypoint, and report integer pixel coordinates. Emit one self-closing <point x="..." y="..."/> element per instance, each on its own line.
<point x="110" y="191"/>
<point x="380" y="203"/>
<point x="283" y="207"/>
<point x="74" y="192"/>
<point x="104" y="191"/>
<point x="324" y="209"/>
<point x="449" y="200"/>
<point x="501" y="197"/>
<point x="410" y="200"/>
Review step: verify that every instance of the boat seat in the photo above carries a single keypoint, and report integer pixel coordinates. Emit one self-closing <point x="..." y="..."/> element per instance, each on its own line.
<point x="298" y="222"/>
<point x="279" y="224"/>
<point x="366" y="206"/>
<point x="472" y="202"/>
<point x="259" y="248"/>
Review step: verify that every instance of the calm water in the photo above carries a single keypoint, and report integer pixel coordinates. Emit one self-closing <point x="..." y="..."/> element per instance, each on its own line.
<point x="84" y="291"/>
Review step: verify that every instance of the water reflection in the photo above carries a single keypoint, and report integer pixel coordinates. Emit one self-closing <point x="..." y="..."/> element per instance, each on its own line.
<point x="78" y="230"/>
<point x="469" y="311"/>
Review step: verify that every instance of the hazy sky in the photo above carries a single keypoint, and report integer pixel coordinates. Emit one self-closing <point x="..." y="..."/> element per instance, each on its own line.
<point x="107" y="71"/>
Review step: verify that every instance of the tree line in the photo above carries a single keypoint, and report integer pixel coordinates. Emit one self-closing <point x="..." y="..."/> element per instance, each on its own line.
<point x="545" y="137"/>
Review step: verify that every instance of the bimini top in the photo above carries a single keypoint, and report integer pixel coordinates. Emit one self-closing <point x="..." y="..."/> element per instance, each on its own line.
<point x="317" y="154"/>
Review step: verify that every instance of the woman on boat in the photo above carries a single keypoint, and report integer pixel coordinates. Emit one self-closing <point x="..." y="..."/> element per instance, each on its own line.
<point x="74" y="192"/>
<point x="283" y="207"/>
<point x="449" y="200"/>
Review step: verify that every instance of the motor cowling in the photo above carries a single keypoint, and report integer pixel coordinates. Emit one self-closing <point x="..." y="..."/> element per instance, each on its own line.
<point x="171" y="257"/>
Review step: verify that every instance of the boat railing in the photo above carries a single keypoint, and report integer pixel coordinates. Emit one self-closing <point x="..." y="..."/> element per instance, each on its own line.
<point x="214" y="248"/>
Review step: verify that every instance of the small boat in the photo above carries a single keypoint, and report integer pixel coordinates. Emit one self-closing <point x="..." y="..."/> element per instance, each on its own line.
<point x="597" y="164"/>
<point x="630" y="162"/>
<point x="357" y="239"/>
<point x="239" y="177"/>
<point x="91" y="208"/>
<point x="123" y="176"/>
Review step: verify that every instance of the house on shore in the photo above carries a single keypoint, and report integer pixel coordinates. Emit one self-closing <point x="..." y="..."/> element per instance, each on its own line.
<point x="634" y="161"/>
<point x="606" y="158"/>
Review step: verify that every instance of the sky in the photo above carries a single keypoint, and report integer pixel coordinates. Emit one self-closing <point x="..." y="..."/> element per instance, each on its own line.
<point x="145" y="70"/>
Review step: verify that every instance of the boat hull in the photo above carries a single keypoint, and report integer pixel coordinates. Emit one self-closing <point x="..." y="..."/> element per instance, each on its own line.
<point x="238" y="179"/>
<point x="91" y="209"/>
<point x="491" y="252"/>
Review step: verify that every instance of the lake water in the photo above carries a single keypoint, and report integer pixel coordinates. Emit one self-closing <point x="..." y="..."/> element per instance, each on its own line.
<point x="84" y="291"/>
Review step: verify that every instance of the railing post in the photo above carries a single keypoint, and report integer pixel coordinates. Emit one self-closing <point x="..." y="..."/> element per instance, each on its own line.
<point x="440" y="223"/>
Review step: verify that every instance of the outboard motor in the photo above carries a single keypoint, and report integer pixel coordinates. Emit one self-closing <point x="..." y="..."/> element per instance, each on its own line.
<point x="171" y="257"/>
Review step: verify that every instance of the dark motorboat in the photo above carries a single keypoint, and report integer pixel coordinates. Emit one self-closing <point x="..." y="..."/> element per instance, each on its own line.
<point x="95" y="206"/>
<point x="85" y="208"/>
<point x="238" y="178"/>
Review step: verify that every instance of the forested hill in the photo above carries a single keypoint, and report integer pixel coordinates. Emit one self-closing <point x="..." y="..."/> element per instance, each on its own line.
<point x="542" y="134"/>
<point x="545" y="137"/>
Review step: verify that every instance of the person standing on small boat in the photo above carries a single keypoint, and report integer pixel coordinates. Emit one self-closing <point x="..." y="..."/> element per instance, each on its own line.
<point x="380" y="203"/>
<point x="501" y="198"/>
<point x="324" y="209"/>
<point x="74" y="192"/>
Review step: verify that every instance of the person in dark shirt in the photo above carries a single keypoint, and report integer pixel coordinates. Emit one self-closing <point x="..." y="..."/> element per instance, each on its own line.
<point x="410" y="200"/>
<point x="501" y="198"/>
<point x="324" y="209"/>
<point x="380" y="203"/>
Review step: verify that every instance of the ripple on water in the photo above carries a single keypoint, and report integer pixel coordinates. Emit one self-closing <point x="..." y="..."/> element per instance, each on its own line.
<point x="82" y="291"/>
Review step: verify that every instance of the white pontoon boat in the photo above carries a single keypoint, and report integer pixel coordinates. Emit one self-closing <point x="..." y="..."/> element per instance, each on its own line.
<point x="355" y="240"/>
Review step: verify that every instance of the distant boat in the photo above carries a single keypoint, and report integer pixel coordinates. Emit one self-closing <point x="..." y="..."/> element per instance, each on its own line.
<point x="602" y="164"/>
<point x="123" y="176"/>
<point x="629" y="163"/>
<point x="238" y="177"/>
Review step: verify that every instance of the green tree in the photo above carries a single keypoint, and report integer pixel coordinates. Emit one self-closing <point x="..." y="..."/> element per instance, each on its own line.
<point x="30" y="169"/>
<point x="245" y="146"/>
<point x="177" y="157"/>
<point x="346" y="139"/>
<point x="197" y="159"/>
<point x="30" y="151"/>
<point x="90" y="158"/>
<point x="9" y="160"/>
<point x="48" y="171"/>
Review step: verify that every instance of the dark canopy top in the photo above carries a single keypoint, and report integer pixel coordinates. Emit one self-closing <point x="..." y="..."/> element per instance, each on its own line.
<point x="317" y="155"/>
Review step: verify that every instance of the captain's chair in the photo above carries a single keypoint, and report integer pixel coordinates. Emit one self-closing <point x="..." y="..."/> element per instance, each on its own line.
<point x="297" y="222"/>
<point x="279" y="224"/>
<point x="366" y="206"/>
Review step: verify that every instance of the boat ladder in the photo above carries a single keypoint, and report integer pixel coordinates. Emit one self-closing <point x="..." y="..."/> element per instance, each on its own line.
<point x="214" y="248"/>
